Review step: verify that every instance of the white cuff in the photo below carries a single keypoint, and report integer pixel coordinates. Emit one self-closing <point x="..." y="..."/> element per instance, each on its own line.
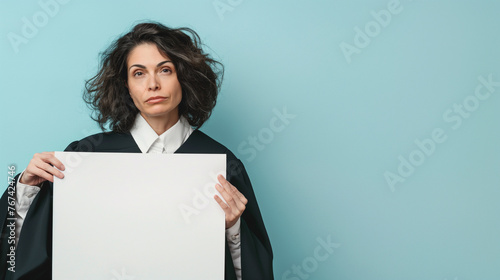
<point x="233" y="233"/>
<point x="25" y="194"/>
<point x="234" y="242"/>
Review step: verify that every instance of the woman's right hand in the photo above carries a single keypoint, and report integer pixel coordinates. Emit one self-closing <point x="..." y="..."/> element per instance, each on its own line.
<point x="42" y="167"/>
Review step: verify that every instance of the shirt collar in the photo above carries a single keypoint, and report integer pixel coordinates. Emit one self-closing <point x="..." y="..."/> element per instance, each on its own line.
<point x="172" y="139"/>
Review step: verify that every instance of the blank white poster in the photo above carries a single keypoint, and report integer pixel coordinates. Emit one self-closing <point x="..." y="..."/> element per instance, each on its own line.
<point x="138" y="216"/>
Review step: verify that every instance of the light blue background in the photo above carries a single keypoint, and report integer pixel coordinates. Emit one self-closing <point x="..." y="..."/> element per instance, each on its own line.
<point x="323" y="175"/>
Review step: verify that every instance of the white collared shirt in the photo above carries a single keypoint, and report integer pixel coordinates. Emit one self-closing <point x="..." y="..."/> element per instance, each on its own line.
<point x="167" y="143"/>
<point x="148" y="142"/>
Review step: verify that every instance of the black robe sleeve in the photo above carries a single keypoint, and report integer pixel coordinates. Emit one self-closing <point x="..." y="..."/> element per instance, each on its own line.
<point x="256" y="253"/>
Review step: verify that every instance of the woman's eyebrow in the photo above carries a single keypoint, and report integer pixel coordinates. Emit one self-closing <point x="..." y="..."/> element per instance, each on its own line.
<point x="137" y="65"/>
<point x="163" y="62"/>
<point x="144" y="67"/>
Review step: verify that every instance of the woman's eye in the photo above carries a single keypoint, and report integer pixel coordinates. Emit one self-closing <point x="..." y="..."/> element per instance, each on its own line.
<point x="165" y="70"/>
<point x="137" y="74"/>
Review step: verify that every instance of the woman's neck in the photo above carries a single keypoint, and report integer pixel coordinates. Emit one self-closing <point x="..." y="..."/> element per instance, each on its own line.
<point x="161" y="124"/>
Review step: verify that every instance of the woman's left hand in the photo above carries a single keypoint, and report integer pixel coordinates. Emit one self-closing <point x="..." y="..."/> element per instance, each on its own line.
<point x="235" y="201"/>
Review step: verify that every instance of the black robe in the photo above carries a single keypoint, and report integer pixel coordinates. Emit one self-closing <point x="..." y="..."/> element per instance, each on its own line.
<point x="34" y="249"/>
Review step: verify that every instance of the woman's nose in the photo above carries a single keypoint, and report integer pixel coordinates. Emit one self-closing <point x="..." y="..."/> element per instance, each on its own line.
<point x="153" y="83"/>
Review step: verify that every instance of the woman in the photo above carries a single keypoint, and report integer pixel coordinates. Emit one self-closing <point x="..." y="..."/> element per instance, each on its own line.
<point x="154" y="85"/>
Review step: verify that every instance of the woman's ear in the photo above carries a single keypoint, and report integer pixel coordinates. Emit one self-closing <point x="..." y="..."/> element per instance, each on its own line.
<point x="126" y="86"/>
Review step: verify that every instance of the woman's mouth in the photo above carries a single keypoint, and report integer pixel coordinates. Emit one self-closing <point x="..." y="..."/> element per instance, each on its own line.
<point x="156" y="99"/>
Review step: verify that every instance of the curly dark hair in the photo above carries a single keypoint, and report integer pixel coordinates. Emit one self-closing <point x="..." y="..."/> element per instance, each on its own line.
<point x="199" y="75"/>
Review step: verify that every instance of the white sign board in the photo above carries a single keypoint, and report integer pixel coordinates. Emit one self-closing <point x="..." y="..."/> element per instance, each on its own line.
<point x="138" y="216"/>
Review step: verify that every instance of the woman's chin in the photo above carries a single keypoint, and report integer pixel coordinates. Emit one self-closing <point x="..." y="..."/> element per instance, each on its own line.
<point x="160" y="113"/>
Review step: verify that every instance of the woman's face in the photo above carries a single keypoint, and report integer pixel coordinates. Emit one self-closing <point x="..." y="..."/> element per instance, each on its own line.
<point x="152" y="83"/>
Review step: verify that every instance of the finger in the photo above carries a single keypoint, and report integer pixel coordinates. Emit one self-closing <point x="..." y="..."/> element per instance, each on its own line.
<point x="241" y="197"/>
<point x="234" y="208"/>
<point x="222" y="205"/>
<point x="238" y="198"/>
<point x="43" y="174"/>
<point x="226" y="195"/>
<point x="230" y="218"/>
<point x="51" y="158"/>
<point x="224" y="182"/>
<point x="49" y="169"/>
<point x="230" y="215"/>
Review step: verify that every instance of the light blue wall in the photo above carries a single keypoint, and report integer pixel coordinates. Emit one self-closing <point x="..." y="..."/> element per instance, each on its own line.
<point x="357" y="106"/>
